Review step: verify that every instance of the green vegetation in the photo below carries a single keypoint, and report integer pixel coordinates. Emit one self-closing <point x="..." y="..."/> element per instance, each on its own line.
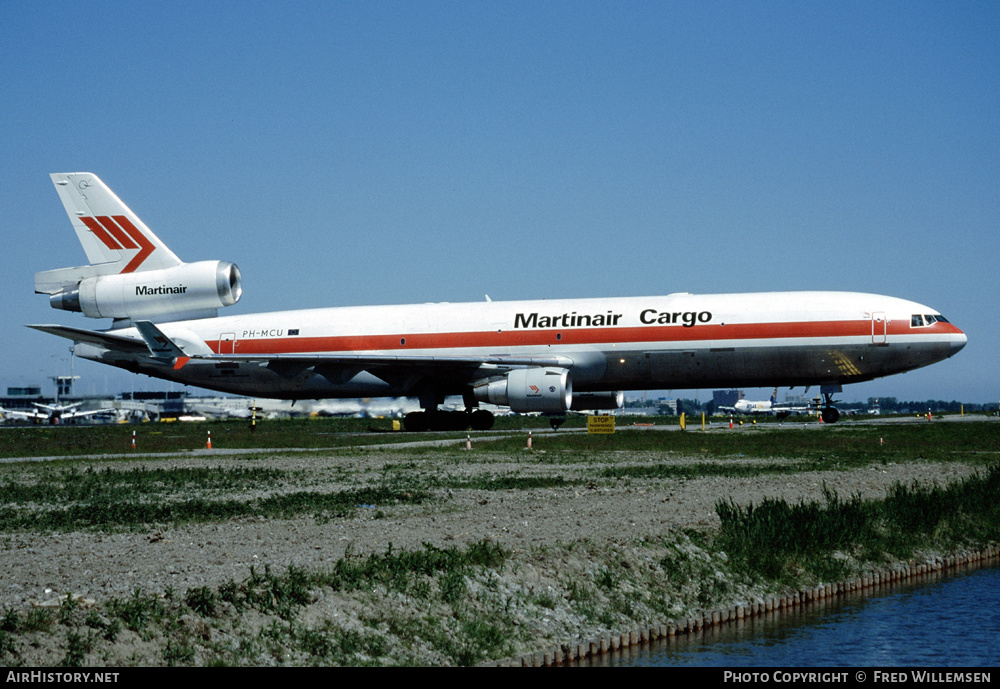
<point x="840" y="446"/>
<point x="64" y="499"/>
<point x="779" y="541"/>
<point x="462" y="627"/>
<point x="61" y="496"/>
<point x="845" y="444"/>
<point x="461" y="606"/>
<point x="23" y="440"/>
<point x="481" y="600"/>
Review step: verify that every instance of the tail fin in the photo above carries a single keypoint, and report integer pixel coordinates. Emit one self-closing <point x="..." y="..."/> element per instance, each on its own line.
<point x="113" y="237"/>
<point x="774" y="396"/>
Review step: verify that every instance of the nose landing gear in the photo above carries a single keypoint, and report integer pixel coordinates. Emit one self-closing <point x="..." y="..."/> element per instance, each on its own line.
<point x="829" y="413"/>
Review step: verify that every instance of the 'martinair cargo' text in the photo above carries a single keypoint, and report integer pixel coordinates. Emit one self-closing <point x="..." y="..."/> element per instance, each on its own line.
<point x="687" y="319"/>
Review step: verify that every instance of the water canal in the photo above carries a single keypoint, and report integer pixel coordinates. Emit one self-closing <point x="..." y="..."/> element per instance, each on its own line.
<point x="939" y="620"/>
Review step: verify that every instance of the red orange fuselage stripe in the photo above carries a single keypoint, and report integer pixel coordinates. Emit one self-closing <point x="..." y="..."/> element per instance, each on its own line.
<point x="348" y="344"/>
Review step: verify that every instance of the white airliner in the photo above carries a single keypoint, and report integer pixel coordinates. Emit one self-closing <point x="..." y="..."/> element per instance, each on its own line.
<point x="770" y="406"/>
<point x="53" y="413"/>
<point x="546" y="356"/>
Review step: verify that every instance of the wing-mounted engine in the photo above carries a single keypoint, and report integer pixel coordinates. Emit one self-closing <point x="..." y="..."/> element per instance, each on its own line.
<point x="189" y="290"/>
<point x="529" y="390"/>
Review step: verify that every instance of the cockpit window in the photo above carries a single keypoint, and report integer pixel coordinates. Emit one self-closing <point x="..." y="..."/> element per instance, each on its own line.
<point x="920" y="320"/>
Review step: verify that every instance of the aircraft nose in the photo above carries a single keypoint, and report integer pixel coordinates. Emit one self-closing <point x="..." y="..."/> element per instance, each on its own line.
<point x="958" y="341"/>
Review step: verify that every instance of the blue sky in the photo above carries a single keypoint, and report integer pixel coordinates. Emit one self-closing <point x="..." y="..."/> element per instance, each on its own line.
<point x="393" y="152"/>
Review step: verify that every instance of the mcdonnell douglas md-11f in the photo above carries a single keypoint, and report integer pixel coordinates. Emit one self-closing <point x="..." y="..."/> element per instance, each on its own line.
<point x="547" y="356"/>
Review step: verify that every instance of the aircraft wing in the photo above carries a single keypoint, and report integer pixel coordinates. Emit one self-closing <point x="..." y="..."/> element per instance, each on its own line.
<point x="92" y="412"/>
<point x="793" y="409"/>
<point x="23" y="414"/>
<point x="51" y="408"/>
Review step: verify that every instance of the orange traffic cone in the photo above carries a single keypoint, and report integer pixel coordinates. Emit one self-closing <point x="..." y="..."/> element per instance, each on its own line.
<point x="208" y="445"/>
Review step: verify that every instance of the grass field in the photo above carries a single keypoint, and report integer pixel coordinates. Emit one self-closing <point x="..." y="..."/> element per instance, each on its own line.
<point x="843" y="444"/>
<point x="64" y="494"/>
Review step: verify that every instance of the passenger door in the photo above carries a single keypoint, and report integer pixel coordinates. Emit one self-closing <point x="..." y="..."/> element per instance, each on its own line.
<point x="880" y="328"/>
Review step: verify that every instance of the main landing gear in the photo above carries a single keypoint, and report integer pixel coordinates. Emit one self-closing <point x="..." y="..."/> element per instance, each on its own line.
<point x="434" y="420"/>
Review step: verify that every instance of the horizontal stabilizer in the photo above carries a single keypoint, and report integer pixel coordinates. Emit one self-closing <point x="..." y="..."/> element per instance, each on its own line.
<point x="55" y="281"/>
<point x="118" y="343"/>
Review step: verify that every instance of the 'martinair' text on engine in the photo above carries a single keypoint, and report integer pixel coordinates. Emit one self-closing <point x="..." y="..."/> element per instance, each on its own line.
<point x="143" y="291"/>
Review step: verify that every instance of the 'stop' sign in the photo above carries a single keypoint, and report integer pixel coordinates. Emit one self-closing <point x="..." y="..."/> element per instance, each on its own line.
<point x="600" y="424"/>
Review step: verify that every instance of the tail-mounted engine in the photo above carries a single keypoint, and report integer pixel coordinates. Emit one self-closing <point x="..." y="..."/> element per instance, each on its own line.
<point x="529" y="390"/>
<point x="188" y="289"/>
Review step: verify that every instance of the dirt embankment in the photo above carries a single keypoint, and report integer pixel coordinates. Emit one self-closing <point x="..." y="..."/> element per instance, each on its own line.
<point x="604" y="514"/>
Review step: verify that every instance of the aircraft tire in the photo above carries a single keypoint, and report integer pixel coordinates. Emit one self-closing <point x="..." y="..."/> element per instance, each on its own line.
<point x="830" y="415"/>
<point x="416" y="422"/>
<point x="481" y="420"/>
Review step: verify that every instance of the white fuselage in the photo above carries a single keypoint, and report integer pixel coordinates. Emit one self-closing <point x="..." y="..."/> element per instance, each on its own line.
<point x="750" y="407"/>
<point x="676" y="341"/>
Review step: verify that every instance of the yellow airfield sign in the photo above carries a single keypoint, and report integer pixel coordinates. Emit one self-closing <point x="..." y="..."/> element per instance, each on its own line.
<point x="600" y="424"/>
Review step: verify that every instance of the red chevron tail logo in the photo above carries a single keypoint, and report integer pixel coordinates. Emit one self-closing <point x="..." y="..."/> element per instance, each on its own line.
<point x="119" y="234"/>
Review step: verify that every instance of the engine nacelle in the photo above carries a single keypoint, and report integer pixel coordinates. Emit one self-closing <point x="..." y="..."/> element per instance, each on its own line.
<point x="583" y="401"/>
<point x="183" y="289"/>
<point x="530" y="390"/>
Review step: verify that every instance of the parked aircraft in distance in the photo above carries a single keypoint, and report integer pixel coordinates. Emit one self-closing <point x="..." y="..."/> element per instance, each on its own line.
<point x="53" y="413"/>
<point x="547" y="356"/>
<point x="364" y="408"/>
<point x="771" y="407"/>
